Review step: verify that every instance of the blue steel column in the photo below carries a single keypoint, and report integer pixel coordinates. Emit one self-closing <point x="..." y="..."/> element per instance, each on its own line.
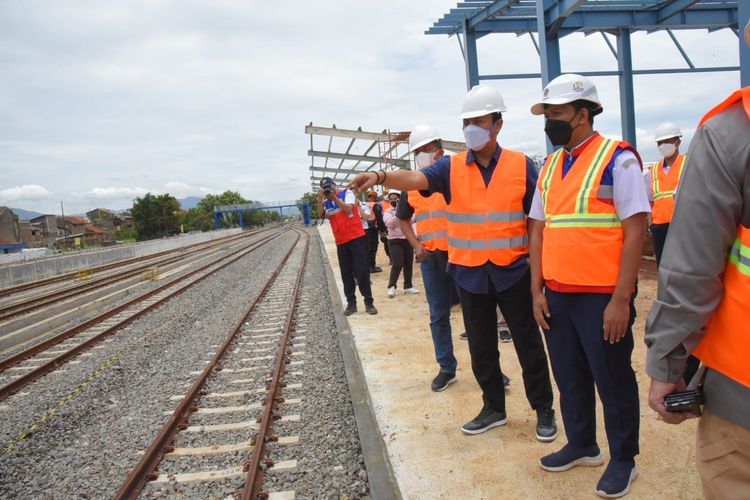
<point x="217" y="220"/>
<point x="306" y="213"/>
<point x="549" y="47"/>
<point x="627" y="101"/>
<point x="549" y="54"/>
<point x="470" y="57"/>
<point x="743" y="15"/>
<point x="242" y="220"/>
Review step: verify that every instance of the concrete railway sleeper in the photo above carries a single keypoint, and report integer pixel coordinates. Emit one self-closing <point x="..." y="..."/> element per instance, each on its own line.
<point x="103" y="325"/>
<point x="219" y="430"/>
<point x="28" y="304"/>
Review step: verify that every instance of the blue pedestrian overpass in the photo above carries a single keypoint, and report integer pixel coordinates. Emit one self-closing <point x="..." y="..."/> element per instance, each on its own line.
<point x="293" y="208"/>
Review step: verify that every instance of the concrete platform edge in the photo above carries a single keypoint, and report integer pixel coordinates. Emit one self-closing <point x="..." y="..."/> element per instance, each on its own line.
<point x="379" y="470"/>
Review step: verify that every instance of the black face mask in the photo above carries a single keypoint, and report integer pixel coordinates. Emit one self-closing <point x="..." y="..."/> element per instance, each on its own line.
<point x="558" y="131"/>
<point x="394" y="203"/>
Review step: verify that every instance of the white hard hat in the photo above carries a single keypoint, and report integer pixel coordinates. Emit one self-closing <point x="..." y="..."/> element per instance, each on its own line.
<point x="565" y="89"/>
<point x="667" y="130"/>
<point x="394" y="191"/>
<point x="482" y="100"/>
<point x="421" y="135"/>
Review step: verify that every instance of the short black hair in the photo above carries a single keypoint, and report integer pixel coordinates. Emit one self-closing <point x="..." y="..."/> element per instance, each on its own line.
<point x="497" y="116"/>
<point x="593" y="108"/>
<point x="437" y="142"/>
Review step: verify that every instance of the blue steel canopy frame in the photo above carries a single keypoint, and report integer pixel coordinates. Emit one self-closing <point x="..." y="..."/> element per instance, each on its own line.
<point x="554" y="19"/>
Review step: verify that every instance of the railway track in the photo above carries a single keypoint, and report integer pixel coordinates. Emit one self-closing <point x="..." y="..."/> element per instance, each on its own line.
<point x="222" y="426"/>
<point x="21" y="369"/>
<point x="15" y="289"/>
<point x="29" y="303"/>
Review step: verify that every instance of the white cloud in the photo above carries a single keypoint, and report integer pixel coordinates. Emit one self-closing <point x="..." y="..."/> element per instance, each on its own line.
<point x="27" y="192"/>
<point x="119" y="192"/>
<point x="182" y="189"/>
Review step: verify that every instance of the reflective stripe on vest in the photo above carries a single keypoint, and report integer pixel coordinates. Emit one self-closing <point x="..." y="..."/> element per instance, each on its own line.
<point x="430" y="214"/>
<point x="487" y="222"/>
<point x="583" y="236"/>
<point x="664" y="187"/>
<point x="725" y="347"/>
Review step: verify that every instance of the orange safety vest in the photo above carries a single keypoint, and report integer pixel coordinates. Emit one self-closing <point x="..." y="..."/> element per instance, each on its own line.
<point x="487" y="223"/>
<point x="726" y="343"/>
<point x="583" y="235"/>
<point x="664" y="187"/>
<point x="431" y="214"/>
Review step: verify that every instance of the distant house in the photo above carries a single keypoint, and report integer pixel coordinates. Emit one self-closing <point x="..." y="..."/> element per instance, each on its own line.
<point x="127" y="219"/>
<point x="72" y="224"/>
<point x="10" y="232"/>
<point x="107" y="219"/>
<point x="48" y="225"/>
<point x="31" y="234"/>
<point x="94" y="235"/>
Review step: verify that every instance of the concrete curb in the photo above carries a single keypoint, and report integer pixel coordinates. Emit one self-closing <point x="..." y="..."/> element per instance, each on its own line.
<point x="379" y="471"/>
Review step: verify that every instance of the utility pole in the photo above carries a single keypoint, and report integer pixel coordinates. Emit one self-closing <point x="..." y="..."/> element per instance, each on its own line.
<point x="62" y="211"/>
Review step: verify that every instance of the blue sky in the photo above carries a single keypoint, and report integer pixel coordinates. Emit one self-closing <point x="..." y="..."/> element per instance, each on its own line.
<point x="104" y="101"/>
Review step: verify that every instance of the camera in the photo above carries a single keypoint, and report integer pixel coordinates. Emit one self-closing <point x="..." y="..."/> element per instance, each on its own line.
<point x="327" y="184"/>
<point x="689" y="401"/>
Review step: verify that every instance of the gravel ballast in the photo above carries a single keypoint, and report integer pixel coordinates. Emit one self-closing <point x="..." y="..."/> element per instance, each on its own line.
<point x="102" y="412"/>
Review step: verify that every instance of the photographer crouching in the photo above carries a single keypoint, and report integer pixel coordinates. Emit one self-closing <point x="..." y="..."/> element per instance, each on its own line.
<point x="339" y="207"/>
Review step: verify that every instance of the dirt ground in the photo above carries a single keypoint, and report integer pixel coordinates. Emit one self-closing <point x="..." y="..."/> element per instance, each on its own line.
<point x="430" y="456"/>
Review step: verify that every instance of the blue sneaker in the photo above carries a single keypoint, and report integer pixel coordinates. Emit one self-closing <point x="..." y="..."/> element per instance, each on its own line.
<point x="570" y="456"/>
<point x="617" y="478"/>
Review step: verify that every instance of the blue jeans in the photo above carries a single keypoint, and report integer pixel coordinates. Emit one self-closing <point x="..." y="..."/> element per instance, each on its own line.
<point x="438" y="286"/>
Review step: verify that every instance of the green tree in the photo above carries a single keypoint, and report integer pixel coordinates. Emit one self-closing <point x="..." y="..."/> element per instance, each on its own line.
<point x="197" y="219"/>
<point x="207" y="204"/>
<point x="155" y="216"/>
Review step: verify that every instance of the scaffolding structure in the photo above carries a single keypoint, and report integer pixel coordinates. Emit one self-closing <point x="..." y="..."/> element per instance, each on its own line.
<point x="551" y="20"/>
<point x="345" y="153"/>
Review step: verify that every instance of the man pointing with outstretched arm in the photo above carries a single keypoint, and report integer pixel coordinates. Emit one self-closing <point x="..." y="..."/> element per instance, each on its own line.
<point x="488" y="191"/>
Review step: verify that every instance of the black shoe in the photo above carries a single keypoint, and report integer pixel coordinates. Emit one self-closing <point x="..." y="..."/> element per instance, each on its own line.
<point x="350" y="309"/>
<point x="464" y="336"/>
<point x="504" y="335"/>
<point x="375" y="269"/>
<point x="486" y="420"/>
<point x="442" y="381"/>
<point x="506" y="380"/>
<point x="570" y="456"/>
<point x="546" y="427"/>
<point x="617" y="478"/>
<point x="370" y="309"/>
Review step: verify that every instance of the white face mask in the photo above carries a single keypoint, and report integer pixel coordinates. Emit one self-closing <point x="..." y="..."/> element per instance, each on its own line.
<point x="476" y="137"/>
<point x="424" y="159"/>
<point x="667" y="149"/>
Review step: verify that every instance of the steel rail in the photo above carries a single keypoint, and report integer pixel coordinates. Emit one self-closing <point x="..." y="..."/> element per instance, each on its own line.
<point x="54" y="279"/>
<point x="255" y="473"/>
<point x="54" y="363"/>
<point x="145" y="469"/>
<point x="40" y="301"/>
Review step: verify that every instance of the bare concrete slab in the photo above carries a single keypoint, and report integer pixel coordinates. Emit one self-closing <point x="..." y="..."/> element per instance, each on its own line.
<point x="430" y="456"/>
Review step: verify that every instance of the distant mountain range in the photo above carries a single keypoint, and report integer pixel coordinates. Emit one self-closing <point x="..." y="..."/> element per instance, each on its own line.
<point x="189" y="202"/>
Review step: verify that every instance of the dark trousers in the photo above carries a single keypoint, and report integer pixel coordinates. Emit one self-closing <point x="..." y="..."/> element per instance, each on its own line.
<point x="372" y="244"/>
<point x="480" y="321"/>
<point x="659" y="237"/>
<point x="582" y="359"/>
<point x="402" y="257"/>
<point x="353" y="262"/>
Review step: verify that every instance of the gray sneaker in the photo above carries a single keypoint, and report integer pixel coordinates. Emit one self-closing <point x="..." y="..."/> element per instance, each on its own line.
<point x="442" y="381"/>
<point x="486" y="420"/>
<point x="546" y="427"/>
